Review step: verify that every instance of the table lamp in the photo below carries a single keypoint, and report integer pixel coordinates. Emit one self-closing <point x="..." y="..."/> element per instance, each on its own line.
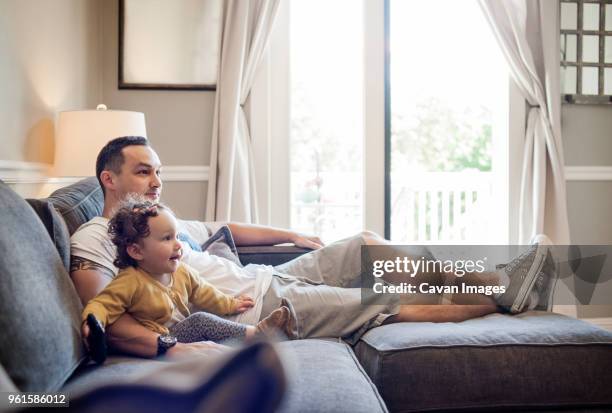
<point x="82" y="133"/>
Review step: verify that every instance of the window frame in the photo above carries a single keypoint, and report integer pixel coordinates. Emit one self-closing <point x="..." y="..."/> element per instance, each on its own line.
<point x="579" y="64"/>
<point x="268" y="112"/>
<point x="507" y="154"/>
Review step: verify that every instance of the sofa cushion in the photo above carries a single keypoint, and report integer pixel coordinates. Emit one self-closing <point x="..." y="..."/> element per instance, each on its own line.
<point x="40" y="343"/>
<point x="79" y="202"/>
<point x="534" y="359"/>
<point x="324" y="376"/>
<point x="251" y="379"/>
<point x="116" y="368"/>
<point x="56" y="227"/>
<point x="221" y="243"/>
<point x="6" y="385"/>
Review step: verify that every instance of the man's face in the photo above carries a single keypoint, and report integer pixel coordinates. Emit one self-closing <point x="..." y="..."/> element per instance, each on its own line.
<point x="140" y="173"/>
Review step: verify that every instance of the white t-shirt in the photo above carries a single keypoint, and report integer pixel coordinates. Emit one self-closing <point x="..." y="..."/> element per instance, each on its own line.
<point x="92" y="242"/>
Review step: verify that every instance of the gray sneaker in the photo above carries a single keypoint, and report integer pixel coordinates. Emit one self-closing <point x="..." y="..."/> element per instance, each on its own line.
<point x="522" y="272"/>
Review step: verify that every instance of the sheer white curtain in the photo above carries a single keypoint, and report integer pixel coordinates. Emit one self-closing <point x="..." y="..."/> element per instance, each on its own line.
<point x="231" y="187"/>
<point x="528" y="34"/>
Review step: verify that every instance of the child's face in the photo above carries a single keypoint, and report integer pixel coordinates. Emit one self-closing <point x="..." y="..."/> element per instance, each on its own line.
<point x="160" y="252"/>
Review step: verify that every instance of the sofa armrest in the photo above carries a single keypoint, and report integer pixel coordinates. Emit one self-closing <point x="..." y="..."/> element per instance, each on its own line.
<point x="269" y="254"/>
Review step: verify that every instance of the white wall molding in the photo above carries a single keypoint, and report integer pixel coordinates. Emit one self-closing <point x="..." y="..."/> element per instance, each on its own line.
<point x="185" y="173"/>
<point x="602" y="322"/>
<point x="588" y="173"/>
<point x="13" y="172"/>
<point x="17" y="172"/>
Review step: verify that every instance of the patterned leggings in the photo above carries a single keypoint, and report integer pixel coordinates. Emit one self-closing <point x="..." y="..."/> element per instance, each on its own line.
<point x="203" y="326"/>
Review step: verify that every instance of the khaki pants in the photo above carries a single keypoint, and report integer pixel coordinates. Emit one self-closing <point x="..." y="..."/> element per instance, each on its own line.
<point x="322" y="288"/>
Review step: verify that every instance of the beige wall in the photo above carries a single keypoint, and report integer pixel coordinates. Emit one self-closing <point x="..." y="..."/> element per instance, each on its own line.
<point x="62" y="54"/>
<point x="179" y="123"/>
<point x="187" y="199"/>
<point x="587" y="140"/>
<point x="49" y="62"/>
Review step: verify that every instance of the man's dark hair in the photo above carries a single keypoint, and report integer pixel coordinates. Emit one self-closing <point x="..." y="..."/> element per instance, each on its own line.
<point x="111" y="156"/>
<point x="129" y="225"/>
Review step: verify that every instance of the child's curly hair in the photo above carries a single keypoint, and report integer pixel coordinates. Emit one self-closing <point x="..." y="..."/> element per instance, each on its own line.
<point x="130" y="224"/>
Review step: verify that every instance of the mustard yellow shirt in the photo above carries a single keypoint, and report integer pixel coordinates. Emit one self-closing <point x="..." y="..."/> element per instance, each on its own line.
<point x="150" y="302"/>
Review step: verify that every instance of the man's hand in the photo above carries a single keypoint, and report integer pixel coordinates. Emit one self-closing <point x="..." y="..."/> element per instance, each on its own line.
<point x="243" y="303"/>
<point x="207" y="348"/>
<point x="307" y="241"/>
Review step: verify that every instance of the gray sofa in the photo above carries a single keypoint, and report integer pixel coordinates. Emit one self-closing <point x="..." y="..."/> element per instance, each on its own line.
<point x="533" y="361"/>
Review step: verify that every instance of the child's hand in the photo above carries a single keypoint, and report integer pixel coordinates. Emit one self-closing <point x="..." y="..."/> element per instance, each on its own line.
<point x="243" y="303"/>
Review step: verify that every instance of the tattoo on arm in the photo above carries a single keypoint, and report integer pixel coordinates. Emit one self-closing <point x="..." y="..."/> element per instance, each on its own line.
<point x="80" y="263"/>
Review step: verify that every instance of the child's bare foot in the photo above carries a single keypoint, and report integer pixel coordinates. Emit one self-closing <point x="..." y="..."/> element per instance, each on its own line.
<point x="278" y="320"/>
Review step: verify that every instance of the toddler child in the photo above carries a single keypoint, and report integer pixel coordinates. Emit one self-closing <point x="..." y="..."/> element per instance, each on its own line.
<point x="155" y="288"/>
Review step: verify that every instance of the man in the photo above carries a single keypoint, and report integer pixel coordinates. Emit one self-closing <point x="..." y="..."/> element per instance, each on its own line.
<point x="320" y="287"/>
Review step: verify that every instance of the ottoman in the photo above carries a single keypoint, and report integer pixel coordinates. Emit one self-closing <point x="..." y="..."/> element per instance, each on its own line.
<point x="534" y="360"/>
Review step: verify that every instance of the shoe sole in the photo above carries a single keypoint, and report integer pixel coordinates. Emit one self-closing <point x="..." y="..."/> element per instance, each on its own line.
<point x="551" y="294"/>
<point x="550" y="290"/>
<point x="530" y="278"/>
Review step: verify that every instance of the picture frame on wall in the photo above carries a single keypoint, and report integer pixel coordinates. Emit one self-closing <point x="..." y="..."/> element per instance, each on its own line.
<point x="169" y="44"/>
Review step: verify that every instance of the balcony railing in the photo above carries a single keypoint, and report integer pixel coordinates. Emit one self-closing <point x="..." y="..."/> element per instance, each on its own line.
<point x="442" y="207"/>
<point x="431" y="207"/>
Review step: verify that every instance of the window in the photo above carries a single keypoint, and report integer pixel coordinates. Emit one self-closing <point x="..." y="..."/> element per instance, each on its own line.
<point x="586" y="51"/>
<point x="323" y="85"/>
<point x="448" y="99"/>
<point x="326" y="117"/>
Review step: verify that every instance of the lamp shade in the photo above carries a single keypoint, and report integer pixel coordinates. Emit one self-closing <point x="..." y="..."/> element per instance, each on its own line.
<point x="82" y="133"/>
